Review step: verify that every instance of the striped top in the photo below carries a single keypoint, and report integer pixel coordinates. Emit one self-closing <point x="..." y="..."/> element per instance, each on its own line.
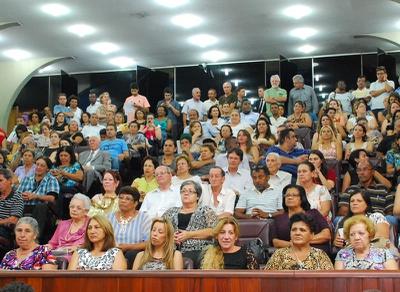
<point x="12" y="205"/>
<point x="136" y="231"/>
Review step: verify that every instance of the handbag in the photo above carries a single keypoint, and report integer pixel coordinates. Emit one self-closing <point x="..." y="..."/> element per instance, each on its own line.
<point x="258" y="248"/>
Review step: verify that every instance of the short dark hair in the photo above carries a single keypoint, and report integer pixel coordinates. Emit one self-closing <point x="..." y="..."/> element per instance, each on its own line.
<point x="111" y="125"/>
<point x="17" y="287"/>
<point x="381" y="68"/>
<point x="128" y="190"/>
<point x="284" y="134"/>
<point x="220" y="168"/>
<point x="134" y="86"/>
<point x="303" y="217"/>
<point x="47" y="160"/>
<point x="168" y="90"/>
<point x="236" y="150"/>
<point x="152" y="159"/>
<point x="6" y="173"/>
<point x="72" y="96"/>
<point x="258" y="167"/>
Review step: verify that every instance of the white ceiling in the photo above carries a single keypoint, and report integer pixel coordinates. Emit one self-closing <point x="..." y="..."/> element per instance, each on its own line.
<point x="245" y="30"/>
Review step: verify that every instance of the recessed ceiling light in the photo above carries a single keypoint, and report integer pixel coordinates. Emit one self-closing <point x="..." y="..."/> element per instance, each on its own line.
<point x="214" y="55"/>
<point x="122" y="62"/>
<point x="306" y="49"/>
<point x="171" y="3"/>
<point x="297" y="11"/>
<point x="226" y="71"/>
<point x="236" y="82"/>
<point x="314" y="64"/>
<point x="55" y="9"/>
<point x="104" y="47"/>
<point x="187" y="20"/>
<point x="202" y="40"/>
<point x="17" y="54"/>
<point x="303" y="33"/>
<point x="81" y="29"/>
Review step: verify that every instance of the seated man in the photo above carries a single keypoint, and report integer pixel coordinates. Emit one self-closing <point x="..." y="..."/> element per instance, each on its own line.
<point x="262" y="201"/>
<point x="117" y="148"/>
<point x="12" y="204"/>
<point x="37" y="190"/>
<point x="382" y="200"/>
<point x="216" y="196"/>
<point x="208" y="129"/>
<point x="291" y="157"/>
<point x="206" y="161"/>
<point x="277" y="178"/>
<point x="94" y="162"/>
<point x="222" y="159"/>
<point x="237" y="179"/>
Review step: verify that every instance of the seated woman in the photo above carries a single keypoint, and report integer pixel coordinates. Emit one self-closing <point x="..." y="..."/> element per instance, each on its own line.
<point x="392" y="157"/>
<point x="326" y="120"/>
<point x="393" y="96"/>
<point x="183" y="166"/>
<point x="338" y="117"/>
<point x="299" y="119"/>
<point x="85" y="120"/>
<point x="60" y="123"/>
<point x="225" y="113"/>
<point x="360" y="204"/>
<point x="43" y="136"/>
<point x="246" y="144"/>
<point x="27" y="168"/>
<point x="107" y="202"/>
<point x="373" y="136"/>
<point x="359" y="231"/>
<point x="131" y="227"/>
<point x="358" y="141"/>
<point x="300" y="255"/>
<point x="351" y="176"/>
<point x="34" y="122"/>
<point x="152" y="133"/>
<point x="163" y="122"/>
<point x="136" y="140"/>
<point x="263" y="138"/>
<point x="328" y="144"/>
<point x="214" y="117"/>
<point x="99" y="251"/>
<point x="69" y="174"/>
<point x="51" y="150"/>
<point x="192" y="224"/>
<point x="295" y="201"/>
<point x="29" y="255"/>
<point x="318" y="195"/>
<point x="236" y="124"/>
<point x="119" y="120"/>
<point x="196" y="130"/>
<point x="140" y="116"/>
<point x="225" y="254"/>
<point x="325" y="176"/>
<point x="159" y="253"/>
<point x="169" y="149"/>
<point x="360" y="110"/>
<point x="387" y="124"/>
<point x="225" y="132"/>
<point x="202" y="166"/>
<point x="69" y="234"/>
<point x="147" y="182"/>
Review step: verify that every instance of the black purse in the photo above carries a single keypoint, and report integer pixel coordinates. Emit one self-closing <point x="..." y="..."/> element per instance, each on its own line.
<point x="258" y="248"/>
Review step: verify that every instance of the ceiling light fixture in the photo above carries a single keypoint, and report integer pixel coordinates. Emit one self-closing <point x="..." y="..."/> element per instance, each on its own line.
<point x="55" y="9"/>
<point x="303" y="33"/>
<point x="236" y="82"/>
<point x="297" y="11"/>
<point x="81" y="29"/>
<point x="17" y="54"/>
<point x="202" y="40"/>
<point x="171" y="3"/>
<point x="226" y="71"/>
<point x="122" y="62"/>
<point x="214" y="55"/>
<point x="187" y="20"/>
<point x="104" y="47"/>
<point x="306" y="49"/>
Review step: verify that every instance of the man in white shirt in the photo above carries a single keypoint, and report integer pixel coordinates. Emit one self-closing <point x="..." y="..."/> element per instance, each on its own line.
<point x="94" y="104"/>
<point x="379" y="90"/>
<point x="247" y="115"/>
<point x="164" y="197"/>
<point x="275" y="119"/>
<point x="361" y="91"/>
<point x="278" y="179"/>
<point x="93" y="129"/>
<point x="222" y="159"/>
<point x="237" y="179"/>
<point x="216" y="196"/>
<point x="212" y="99"/>
<point x="194" y="103"/>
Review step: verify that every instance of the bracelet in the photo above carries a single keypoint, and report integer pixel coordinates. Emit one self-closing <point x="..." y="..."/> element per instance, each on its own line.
<point x="38" y="196"/>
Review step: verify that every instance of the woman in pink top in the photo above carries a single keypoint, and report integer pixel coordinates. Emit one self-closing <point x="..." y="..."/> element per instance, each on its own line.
<point x="70" y="234"/>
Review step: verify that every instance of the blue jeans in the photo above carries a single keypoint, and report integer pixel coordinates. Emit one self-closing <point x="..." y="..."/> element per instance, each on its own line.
<point x="393" y="220"/>
<point x="115" y="163"/>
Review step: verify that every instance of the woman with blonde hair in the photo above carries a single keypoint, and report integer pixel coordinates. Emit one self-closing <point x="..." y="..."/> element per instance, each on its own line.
<point x="227" y="255"/>
<point x="328" y="143"/>
<point x="159" y="253"/>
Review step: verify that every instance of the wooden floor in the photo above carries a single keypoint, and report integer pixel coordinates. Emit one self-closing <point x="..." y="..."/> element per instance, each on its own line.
<point x="194" y="281"/>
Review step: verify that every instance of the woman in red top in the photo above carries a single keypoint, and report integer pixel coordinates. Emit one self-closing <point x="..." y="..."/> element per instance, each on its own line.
<point x="326" y="176"/>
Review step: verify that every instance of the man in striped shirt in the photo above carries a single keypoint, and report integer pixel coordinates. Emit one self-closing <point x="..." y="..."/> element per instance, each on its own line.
<point x="11" y="204"/>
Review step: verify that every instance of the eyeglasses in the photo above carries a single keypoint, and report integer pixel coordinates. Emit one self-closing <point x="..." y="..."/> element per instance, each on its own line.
<point x="191" y="192"/>
<point x="160" y="173"/>
<point x="258" y="166"/>
<point x="291" y="195"/>
<point x="79" y="209"/>
<point x="363" y="169"/>
<point x="122" y="198"/>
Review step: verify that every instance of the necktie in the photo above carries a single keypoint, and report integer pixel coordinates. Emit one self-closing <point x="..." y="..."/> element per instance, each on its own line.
<point x="90" y="157"/>
<point x="261" y="106"/>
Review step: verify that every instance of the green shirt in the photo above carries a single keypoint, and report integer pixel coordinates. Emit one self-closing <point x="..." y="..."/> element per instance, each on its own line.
<point x="272" y="92"/>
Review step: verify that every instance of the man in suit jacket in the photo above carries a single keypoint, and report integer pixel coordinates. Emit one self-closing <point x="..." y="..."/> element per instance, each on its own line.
<point x="260" y="106"/>
<point x="94" y="162"/>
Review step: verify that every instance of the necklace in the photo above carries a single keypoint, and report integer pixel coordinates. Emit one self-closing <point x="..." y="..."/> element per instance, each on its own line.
<point x="299" y="262"/>
<point x="102" y="204"/>
<point x="164" y="161"/>
<point x="124" y="221"/>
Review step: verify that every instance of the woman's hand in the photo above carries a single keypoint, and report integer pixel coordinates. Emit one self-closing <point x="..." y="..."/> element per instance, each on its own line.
<point x="338" y="242"/>
<point x="181" y="236"/>
<point x="71" y="249"/>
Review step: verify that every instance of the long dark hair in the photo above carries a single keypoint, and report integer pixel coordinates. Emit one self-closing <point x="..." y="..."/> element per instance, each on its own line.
<point x="352" y="192"/>
<point x="67" y="149"/>
<point x="268" y="134"/>
<point x="303" y="196"/>
<point x="324" y="166"/>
